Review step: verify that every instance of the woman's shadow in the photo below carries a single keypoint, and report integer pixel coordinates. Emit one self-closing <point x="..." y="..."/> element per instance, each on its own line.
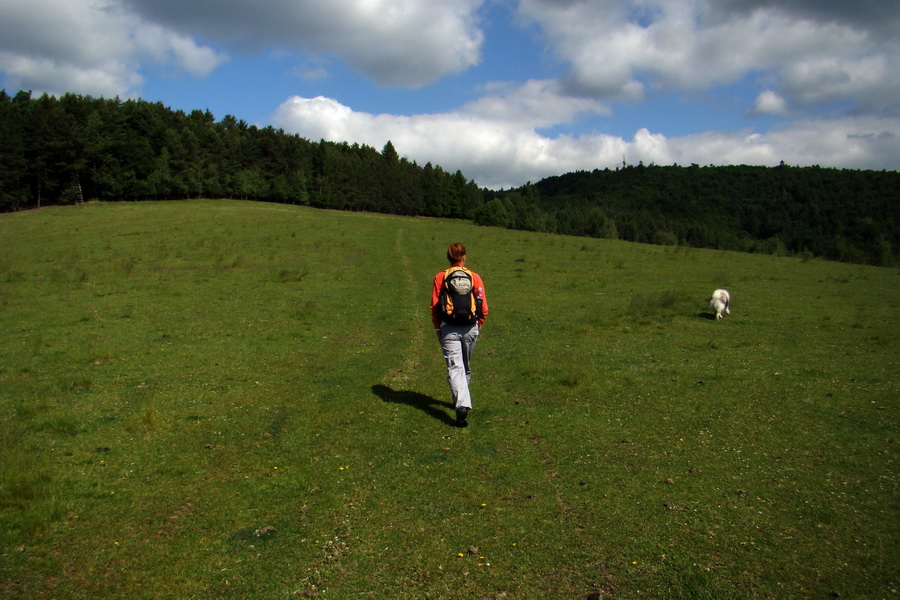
<point x="427" y="404"/>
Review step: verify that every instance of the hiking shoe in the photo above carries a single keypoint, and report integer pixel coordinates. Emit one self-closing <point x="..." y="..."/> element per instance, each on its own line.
<point x="461" y="413"/>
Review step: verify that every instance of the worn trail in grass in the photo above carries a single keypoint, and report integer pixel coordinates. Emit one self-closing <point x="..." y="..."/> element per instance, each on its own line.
<point x="226" y="399"/>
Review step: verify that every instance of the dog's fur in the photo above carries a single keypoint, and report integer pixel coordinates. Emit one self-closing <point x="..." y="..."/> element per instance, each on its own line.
<point x="719" y="303"/>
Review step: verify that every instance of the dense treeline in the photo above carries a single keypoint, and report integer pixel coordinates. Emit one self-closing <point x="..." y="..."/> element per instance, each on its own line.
<point x="62" y="150"/>
<point x="843" y="215"/>
<point x="74" y="148"/>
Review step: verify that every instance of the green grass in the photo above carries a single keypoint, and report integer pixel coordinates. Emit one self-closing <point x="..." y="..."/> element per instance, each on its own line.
<point x="241" y="400"/>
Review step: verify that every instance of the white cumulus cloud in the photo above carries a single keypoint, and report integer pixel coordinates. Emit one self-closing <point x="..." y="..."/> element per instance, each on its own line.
<point x="89" y="47"/>
<point x="404" y="43"/>
<point x="769" y="103"/>
<point x="626" y="49"/>
<point x="504" y="153"/>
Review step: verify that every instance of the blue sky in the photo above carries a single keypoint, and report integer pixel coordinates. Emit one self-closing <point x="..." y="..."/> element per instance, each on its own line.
<point x="507" y="91"/>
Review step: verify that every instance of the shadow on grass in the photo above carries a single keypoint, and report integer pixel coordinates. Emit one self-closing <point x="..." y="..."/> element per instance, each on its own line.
<point x="426" y="404"/>
<point x="706" y="315"/>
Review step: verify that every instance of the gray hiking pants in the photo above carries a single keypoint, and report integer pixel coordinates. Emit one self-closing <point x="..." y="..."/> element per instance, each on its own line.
<point x="458" y="343"/>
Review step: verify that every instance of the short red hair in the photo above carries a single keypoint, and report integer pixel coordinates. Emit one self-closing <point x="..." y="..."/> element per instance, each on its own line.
<point x="455" y="253"/>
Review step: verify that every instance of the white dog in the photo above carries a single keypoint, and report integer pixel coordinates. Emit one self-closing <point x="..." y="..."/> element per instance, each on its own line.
<point x="719" y="303"/>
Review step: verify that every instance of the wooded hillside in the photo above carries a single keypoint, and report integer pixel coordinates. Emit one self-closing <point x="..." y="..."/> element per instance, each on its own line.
<point x="844" y="215"/>
<point x="72" y="148"/>
<point x="76" y="148"/>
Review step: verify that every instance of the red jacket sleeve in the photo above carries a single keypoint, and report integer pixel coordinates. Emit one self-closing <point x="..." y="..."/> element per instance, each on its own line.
<point x="435" y="298"/>
<point x="479" y="290"/>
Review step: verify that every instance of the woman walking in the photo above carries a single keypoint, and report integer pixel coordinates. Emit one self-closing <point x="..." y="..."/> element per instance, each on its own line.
<point x="458" y="310"/>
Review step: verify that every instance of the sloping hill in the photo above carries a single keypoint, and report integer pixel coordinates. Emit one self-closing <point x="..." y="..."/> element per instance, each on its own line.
<point x="228" y="399"/>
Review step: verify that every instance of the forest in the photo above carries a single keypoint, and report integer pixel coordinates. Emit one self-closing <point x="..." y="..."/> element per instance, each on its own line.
<point x="836" y="214"/>
<point x="70" y="149"/>
<point x="76" y="148"/>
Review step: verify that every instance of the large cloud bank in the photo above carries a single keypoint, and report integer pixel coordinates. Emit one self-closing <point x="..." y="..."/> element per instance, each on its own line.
<point x="823" y="74"/>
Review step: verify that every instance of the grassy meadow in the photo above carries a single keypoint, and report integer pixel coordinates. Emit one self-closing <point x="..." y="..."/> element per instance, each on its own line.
<point x="221" y="399"/>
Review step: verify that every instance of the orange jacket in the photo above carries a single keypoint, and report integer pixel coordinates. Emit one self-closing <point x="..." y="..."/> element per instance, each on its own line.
<point x="436" y="296"/>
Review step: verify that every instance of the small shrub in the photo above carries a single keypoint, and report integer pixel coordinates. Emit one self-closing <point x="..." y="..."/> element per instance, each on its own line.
<point x="303" y="310"/>
<point x="291" y="275"/>
<point x="667" y="303"/>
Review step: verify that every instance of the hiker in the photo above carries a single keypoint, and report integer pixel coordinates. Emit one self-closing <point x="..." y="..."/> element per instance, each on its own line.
<point x="458" y="310"/>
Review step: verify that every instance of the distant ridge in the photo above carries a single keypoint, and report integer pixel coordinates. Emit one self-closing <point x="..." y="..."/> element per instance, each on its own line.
<point x="77" y="148"/>
<point x="837" y="214"/>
